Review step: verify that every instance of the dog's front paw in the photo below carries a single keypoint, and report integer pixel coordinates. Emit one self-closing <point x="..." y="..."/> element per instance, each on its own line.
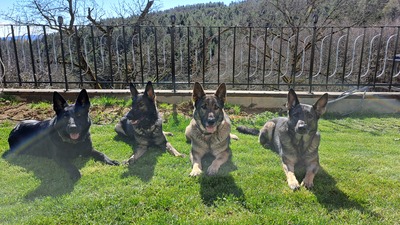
<point x="181" y="155"/>
<point x="168" y="134"/>
<point x="212" y="170"/>
<point x="130" y="161"/>
<point x="113" y="162"/>
<point x="234" y="137"/>
<point x="74" y="174"/>
<point x="294" y="185"/>
<point x="195" y="172"/>
<point x="307" y="184"/>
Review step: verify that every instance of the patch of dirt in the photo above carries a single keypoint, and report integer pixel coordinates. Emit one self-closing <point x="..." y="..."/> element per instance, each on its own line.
<point x="22" y="111"/>
<point x="15" y="112"/>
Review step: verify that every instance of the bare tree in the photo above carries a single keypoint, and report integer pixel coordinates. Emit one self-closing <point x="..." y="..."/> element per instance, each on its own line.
<point x="75" y="12"/>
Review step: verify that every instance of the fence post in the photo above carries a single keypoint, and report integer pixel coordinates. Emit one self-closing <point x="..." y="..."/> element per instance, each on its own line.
<point x="109" y="43"/>
<point x="188" y="56"/>
<point x="94" y="58"/>
<point x="219" y="54"/>
<point x="46" y="46"/>
<point x="264" y="55"/>
<point x="377" y="56"/>
<point x="361" y="58"/>
<point x="233" y="56"/>
<point x="329" y="58"/>
<point x="315" y="17"/>
<point x="78" y="52"/>
<point x="345" y="55"/>
<point x="125" y="54"/>
<point x="60" y="21"/>
<point x="294" y="62"/>
<point x="139" y="28"/>
<point x="173" y="18"/>
<point x="280" y="59"/>
<point x="249" y="58"/>
<point x="32" y="56"/>
<point x="156" y="53"/>
<point x="204" y="54"/>
<point x="394" y="59"/>
<point x="16" y="56"/>
<point x="3" y="72"/>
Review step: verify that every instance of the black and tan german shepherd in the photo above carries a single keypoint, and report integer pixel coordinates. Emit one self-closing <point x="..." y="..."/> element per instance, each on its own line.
<point x="209" y="130"/>
<point x="62" y="138"/>
<point x="143" y="124"/>
<point x="295" y="138"/>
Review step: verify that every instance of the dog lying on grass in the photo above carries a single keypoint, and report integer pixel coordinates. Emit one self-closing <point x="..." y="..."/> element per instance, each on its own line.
<point x="62" y="138"/>
<point x="295" y="138"/>
<point x="210" y="129"/>
<point x="143" y="124"/>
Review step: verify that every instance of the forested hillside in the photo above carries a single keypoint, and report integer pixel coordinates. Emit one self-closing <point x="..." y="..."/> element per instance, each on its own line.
<point x="274" y="13"/>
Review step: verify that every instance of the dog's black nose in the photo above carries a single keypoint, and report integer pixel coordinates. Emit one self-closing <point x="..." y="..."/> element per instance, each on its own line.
<point x="72" y="128"/>
<point x="211" y="121"/>
<point x="302" y="127"/>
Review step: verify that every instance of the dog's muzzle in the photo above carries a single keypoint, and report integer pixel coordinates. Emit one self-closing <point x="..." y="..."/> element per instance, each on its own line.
<point x="73" y="130"/>
<point x="210" y="123"/>
<point x="301" y="127"/>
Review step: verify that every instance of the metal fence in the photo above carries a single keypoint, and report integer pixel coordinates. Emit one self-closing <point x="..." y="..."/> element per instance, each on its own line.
<point x="245" y="58"/>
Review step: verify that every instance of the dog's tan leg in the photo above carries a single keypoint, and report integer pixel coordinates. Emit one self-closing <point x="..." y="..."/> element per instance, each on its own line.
<point x="168" y="134"/>
<point x="312" y="169"/>
<point x="233" y="136"/>
<point x="220" y="159"/>
<point x="291" y="178"/>
<point x="172" y="150"/>
<point x="195" y="157"/>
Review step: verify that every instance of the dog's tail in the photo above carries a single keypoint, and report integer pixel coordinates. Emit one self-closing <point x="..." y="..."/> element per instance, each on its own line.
<point x="248" y="130"/>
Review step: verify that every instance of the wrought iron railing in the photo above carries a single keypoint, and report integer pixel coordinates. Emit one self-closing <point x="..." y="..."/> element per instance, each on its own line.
<point x="173" y="57"/>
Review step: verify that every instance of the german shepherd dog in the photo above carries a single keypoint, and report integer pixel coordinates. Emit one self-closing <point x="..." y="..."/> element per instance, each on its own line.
<point x="295" y="138"/>
<point x="62" y="138"/>
<point x="143" y="124"/>
<point x="209" y="130"/>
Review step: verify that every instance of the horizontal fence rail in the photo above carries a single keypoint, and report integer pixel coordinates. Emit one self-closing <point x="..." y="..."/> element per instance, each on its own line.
<point x="173" y="57"/>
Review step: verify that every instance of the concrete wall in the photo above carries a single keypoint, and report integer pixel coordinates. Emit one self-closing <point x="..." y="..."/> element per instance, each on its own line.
<point x="369" y="102"/>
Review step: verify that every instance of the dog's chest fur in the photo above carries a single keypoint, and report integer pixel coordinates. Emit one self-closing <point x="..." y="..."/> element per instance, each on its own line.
<point x="292" y="142"/>
<point x="217" y="141"/>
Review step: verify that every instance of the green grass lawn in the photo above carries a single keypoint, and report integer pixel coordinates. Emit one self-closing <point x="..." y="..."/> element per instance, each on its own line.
<point x="358" y="182"/>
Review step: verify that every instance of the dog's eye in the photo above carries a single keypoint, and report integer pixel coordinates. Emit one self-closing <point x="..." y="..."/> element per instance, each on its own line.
<point x="204" y="106"/>
<point x="216" y="107"/>
<point x="142" y="106"/>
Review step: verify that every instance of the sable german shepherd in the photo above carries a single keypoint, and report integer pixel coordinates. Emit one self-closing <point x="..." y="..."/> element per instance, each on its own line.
<point x="62" y="138"/>
<point x="209" y="130"/>
<point x="143" y="124"/>
<point x="295" y="138"/>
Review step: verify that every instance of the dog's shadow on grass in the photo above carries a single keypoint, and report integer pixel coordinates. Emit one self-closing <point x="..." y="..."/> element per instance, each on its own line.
<point x="221" y="186"/>
<point x="54" y="180"/>
<point x="144" y="167"/>
<point x="331" y="197"/>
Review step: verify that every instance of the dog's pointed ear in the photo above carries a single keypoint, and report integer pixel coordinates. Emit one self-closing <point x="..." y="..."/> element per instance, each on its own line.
<point x="59" y="102"/>
<point x="149" y="91"/>
<point x="198" y="92"/>
<point x="221" y="92"/>
<point x="134" y="92"/>
<point x="320" y="104"/>
<point x="83" y="100"/>
<point x="292" y="99"/>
